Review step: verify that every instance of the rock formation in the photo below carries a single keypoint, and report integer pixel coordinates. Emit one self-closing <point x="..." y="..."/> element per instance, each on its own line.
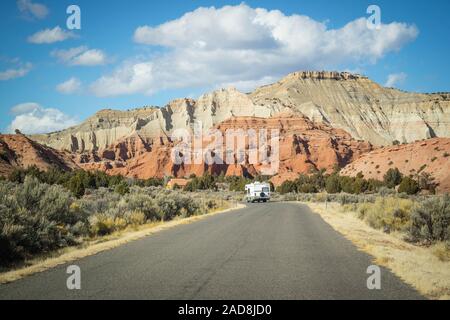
<point x="360" y="106"/>
<point x="351" y="102"/>
<point x="304" y="145"/>
<point x="324" y="118"/>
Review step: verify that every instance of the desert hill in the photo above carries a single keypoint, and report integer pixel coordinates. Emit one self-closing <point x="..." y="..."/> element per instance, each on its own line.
<point x="429" y="156"/>
<point x="18" y="151"/>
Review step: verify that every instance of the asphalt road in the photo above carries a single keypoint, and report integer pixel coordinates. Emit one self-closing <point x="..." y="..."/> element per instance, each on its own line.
<point x="265" y="251"/>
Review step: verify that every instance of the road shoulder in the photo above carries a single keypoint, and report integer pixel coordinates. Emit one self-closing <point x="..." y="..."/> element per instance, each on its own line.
<point x="417" y="266"/>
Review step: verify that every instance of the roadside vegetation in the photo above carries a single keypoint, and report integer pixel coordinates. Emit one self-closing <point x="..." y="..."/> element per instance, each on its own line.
<point x="41" y="212"/>
<point x="422" y="220"/>
<point x="215" y="182"/>
<point x="319" y="181"/>
<point x="78" y="181"/>
<point x="406" y="205"/>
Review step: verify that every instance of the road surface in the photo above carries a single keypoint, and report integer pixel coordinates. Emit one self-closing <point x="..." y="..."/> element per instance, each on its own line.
<point x="265" y="251"/>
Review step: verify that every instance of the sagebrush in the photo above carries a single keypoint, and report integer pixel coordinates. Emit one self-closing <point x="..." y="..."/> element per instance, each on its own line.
<point x="37" y="217"/>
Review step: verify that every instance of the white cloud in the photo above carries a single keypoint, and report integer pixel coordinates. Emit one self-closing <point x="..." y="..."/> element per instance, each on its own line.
<point x="18" y="72"/>
<point x="24" y="108"/>
<point x="32" y="118"/>
<point x="128" y="79"/>
<point x="210" y="46"/>
<point x="395" y="79"/>
<point x="70" y="86"/>
<point x="34" y="10"/>
<point x="81" y="56"/>
<point x="90" y="58"/>
<point x="67" y="55"/>
<point x="50" y="36"/>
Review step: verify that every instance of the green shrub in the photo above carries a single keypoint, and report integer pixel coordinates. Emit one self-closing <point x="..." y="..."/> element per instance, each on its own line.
<point x="332" y="184"/>
<point x="135" y="218"/>
<point x="205" y="182"/>
<point x="346" y="184"/>
<point x="76" y="186"/>
<point x="408" y="186"/>
<point x="287" y="187"/>
<point x="122" y="188"/>
<point x="374" y="185"/>
<point x="34" y="218"/>
<point x="137" y="201"/>
<point x="360" y="185"/>
<point x="167" y="208"/>
<point x="388" y="214"/>
<point x="170" y="206"/>
<point x="431" y="220"/>
<point x="153" y="182"/>
<point x="237" y="183"/>
<point x="55" y="202"/>
<point x="98" y="201"/>
<point x="307" y="188"/>
<point x="101" y="224"/>
<point x="392" y="178"/>
<point x="427" y="182"/>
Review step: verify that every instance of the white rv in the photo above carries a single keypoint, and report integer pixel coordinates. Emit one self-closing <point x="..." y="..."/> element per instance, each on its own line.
<point x="257" y="192"/>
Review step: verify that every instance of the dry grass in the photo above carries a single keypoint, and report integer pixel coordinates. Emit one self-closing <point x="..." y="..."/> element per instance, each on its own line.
<point x="441" y="251"/>
<point x="387" y="212"/>
<point x="95" y="246"/>
<point x="426" y="269"/>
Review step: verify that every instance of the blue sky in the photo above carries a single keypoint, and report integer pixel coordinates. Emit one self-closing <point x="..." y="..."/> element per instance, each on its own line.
<point x="136" y="53"/>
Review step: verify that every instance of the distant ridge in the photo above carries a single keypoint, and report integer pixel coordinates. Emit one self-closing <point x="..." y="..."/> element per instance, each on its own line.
<point x="352" y="102"/>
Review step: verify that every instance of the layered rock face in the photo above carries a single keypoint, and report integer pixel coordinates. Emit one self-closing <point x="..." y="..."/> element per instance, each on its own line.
<point x="303" y="145"/>
<point x="430" y="156"/>
<point x="360" y="106"/>
<point x="18" y="151"/>
<point x="351" y="102"/>
<point x="108" y="126"/>
<point x="102" y="129"/>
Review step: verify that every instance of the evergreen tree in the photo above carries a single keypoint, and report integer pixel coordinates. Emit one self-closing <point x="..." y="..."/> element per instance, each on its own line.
<point x="392" y="178"/>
